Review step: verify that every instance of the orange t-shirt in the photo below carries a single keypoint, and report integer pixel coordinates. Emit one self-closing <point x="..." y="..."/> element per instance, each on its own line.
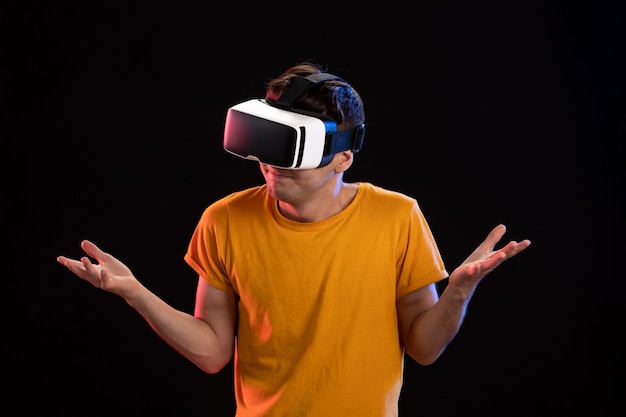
<point x="317" y="331"/>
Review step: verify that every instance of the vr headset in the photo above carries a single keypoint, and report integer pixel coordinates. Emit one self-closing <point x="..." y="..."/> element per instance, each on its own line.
<point x="275" y="134"/>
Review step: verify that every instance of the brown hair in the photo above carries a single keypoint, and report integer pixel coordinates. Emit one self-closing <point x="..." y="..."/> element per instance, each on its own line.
<point x="335" y="98"/>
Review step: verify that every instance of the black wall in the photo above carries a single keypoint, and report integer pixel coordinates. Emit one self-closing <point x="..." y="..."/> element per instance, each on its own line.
<point x="486" y="113"/>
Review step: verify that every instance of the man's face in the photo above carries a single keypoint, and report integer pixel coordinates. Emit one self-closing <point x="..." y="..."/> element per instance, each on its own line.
<point x="295" y="186"/>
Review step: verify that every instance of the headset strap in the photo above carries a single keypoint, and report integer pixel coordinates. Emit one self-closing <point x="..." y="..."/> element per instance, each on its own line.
<point x="346" y="140"/>
<point x="300" y="85"/>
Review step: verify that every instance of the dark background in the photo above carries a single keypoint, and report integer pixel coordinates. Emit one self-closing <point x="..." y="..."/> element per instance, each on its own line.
<point x="492" y="112"/>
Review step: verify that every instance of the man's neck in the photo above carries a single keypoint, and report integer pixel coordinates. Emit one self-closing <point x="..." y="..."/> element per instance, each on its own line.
<point x="319" y="207"/>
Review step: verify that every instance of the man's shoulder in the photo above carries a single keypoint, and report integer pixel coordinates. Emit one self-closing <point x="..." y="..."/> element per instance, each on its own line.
<point x="257" y="191"/>
<point x="241" y="198"/>
<point x="380" y="192"/>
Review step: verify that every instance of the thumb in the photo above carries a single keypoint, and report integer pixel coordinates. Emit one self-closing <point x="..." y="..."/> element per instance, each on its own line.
<point x="92" y="250"/>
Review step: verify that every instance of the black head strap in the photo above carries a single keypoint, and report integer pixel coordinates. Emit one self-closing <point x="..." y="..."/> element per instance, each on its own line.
<point x="300" y="85"/>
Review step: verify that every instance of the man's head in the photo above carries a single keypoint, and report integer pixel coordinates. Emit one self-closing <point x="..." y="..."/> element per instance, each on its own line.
<point x="334" y="98"/>
<point x="307" y="117"/>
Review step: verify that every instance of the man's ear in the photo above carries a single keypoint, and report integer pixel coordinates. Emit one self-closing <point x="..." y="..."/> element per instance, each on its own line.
<point x="343" y="161"/>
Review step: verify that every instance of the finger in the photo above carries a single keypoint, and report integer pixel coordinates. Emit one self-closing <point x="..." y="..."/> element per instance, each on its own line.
<point x="89" y="266"/>
<point x="74" y="266"/>
<point x="474" y="269"/>
<point x="513" y="247"/>
<point x="509" y="248"/>
<point x="93" y="272"/>
<point x="492" y="261"/>
<point x="92" y="250"/>
<point x="494" y="236"/>
<point x="487" y="245"/>
<point x="70" y="264"/>
<point x="517" y="248"/>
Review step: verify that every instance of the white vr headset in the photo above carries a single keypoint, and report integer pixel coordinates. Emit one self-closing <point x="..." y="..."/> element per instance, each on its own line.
<point x="277" y="135"/>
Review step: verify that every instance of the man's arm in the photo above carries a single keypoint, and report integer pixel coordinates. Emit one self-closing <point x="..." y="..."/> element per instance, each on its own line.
<point x="427" y="322"/>
<point x="206" y="338"/>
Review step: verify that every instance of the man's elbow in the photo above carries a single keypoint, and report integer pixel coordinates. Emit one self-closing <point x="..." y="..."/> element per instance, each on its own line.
<point x="424" y="358"/>
<point x="212" y="365"/>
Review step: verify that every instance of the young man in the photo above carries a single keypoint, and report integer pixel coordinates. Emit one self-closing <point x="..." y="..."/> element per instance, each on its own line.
<point x="315" y="287"/>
